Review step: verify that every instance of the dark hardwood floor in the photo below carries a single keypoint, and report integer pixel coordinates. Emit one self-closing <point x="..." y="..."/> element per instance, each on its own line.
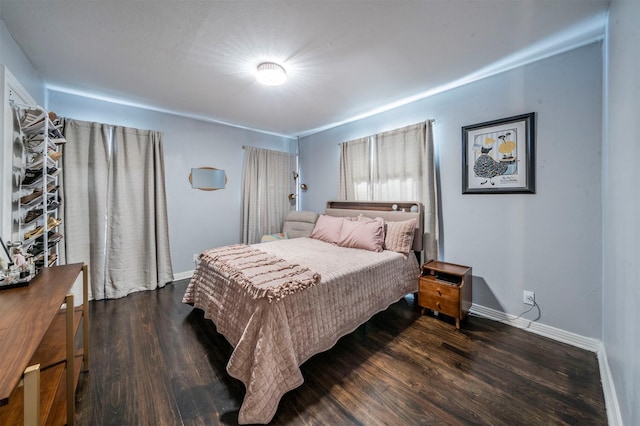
<point x="156" y="361"/>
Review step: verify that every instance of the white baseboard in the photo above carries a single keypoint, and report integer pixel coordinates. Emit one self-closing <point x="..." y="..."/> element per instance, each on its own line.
<point x="608" y="388"/>
<point x="182" y="275"/>
<point x="567" y="337"/>
<point x="590" y="344"/>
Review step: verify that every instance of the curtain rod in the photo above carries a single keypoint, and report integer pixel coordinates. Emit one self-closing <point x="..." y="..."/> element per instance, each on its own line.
<point x="430" y="120"/>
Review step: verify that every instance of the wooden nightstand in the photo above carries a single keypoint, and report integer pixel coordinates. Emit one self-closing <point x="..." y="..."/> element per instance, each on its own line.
<point x="445" y="288"/>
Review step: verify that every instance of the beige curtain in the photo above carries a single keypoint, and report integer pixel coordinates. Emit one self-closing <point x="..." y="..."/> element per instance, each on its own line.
<point x="404" y="170"/>
<point x="355" y="170"/>
<point x="115" y="211"/>
<point x="266" y="184"/>
<point x="398" y="165"/>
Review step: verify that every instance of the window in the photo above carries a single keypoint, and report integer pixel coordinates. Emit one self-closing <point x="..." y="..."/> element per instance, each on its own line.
<point x="397" y="165"/>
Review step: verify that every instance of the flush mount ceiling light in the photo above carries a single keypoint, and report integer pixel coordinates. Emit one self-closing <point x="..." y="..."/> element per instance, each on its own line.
<point x="271" y="74"/>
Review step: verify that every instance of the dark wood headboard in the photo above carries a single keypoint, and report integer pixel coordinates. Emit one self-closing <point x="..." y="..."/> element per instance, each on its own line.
<point x="383" y="209"/>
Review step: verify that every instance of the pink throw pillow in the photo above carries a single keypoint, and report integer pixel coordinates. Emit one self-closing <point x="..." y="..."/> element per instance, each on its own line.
<point x="327" y="228"/>
<point x="364" y="234"/>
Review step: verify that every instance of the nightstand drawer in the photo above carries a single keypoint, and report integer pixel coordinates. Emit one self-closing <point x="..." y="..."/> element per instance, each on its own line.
<point x="439" y="299"/>
<point x="440" y="289"/>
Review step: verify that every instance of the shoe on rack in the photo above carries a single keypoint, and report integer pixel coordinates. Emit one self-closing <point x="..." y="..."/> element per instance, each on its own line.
<point x="52" y="222"/>
<point x="55" y="135"/>
<point x="53" y="171"/>
<point x="35" y="250"/>
<point x="54" y="237"/>
<point x="54" y="155"/>
<point x="52" y="258"/>
<point x="37" y="127"/>
<point x="57" y="139"/>
<point x="31" y="117"/>
<point x="34" y="143"/>
<point x="32" y="215"/>
<point x="52" y="205"/>
<point x="51" y="189"/>
<point x="33" y="120"/>
<point x="34" y="161"/>
<point x="35" y="135"/>
<point x="51" y="236"/>
<point x="39" y="262"/>
<point x="37" y="246"/>
<point x="30" y="197"/>
<point x="31" y="176"/>
<point x="39" y="141"/>
<point x="34" y="233"/>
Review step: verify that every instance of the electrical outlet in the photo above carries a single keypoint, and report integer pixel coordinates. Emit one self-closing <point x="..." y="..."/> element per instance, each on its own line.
<point x="195" y="258"/>
<point x="528" y="297"/>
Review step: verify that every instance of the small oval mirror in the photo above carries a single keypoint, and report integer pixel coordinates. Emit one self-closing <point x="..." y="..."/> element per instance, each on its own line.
<point x="207" y="178"/>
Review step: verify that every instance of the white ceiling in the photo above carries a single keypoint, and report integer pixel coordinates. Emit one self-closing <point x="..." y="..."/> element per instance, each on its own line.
<point x="344" y="59"/>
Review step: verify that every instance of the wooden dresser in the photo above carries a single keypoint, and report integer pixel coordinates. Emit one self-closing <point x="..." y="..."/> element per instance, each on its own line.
<point x="40" y="362"/>
<point x="446" y="288"/>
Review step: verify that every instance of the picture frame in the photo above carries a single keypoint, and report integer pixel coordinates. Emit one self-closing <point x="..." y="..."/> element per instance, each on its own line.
<point x="498" y="157"/>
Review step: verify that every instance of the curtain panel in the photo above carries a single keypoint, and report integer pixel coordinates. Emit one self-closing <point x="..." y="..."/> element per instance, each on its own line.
<point x="355" y="170"/>
<point x="398" y="165"/>
<point x="115" y="211"/>
<point x="266" y="184"/>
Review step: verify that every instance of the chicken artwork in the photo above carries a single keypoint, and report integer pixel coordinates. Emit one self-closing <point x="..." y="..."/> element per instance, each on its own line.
<point x="491" y="163"/>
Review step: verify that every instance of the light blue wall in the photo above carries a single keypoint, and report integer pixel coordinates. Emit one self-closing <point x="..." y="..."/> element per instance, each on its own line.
<point x="549" y="242"/>
<point x="621" y="207"/>
<point x="12" y="56"/>
<point x="197" y="219"/>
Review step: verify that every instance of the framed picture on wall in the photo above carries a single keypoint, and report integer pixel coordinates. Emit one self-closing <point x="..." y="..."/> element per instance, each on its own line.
<point x="498" y="157"/>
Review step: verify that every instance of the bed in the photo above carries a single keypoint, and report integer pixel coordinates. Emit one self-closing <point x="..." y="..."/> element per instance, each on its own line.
<point x="334" y="289"/>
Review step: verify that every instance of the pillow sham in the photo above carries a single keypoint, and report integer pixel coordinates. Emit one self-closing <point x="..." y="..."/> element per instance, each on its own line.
<point x="327" y="228"/>
<point x="363" y="218"/>
<point x="365" y="234"/>
<point x="399" y="236"/>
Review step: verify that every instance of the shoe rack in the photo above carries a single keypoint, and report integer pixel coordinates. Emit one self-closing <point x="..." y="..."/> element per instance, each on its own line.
<point x="37" y="200"/>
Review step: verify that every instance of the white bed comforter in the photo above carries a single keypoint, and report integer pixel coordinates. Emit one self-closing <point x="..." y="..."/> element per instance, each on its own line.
<point x="271" y="340"/>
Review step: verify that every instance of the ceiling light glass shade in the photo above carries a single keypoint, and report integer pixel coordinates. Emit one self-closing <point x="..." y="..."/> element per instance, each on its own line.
<point x="271" y="74"/>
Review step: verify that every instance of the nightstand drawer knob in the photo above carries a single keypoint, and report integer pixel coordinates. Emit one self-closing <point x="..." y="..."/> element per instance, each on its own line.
<point x="438" y="304"/>
<point x="439" y="292"/>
